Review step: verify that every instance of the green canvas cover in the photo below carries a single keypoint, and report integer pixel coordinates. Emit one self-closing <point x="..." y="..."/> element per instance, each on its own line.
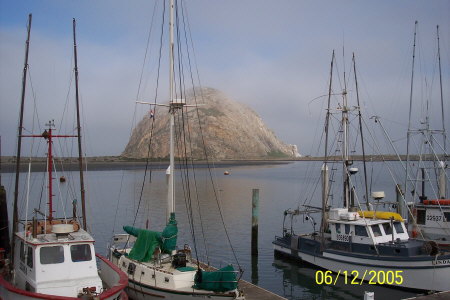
<point x="146" y="243"/>
<point x="221" y="280"/>
<point x="169" y="235"/>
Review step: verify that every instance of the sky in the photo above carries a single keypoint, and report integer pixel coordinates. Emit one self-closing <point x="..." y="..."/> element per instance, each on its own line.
<point x="272" y="55"/>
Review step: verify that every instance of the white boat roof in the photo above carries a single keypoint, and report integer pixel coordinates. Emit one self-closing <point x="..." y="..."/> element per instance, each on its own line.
<point x="80" y="236"/>
<point x="361" y="221"/>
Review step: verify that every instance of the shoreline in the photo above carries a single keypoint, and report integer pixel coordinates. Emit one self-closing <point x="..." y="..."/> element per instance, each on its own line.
<point x="105" y="163"/>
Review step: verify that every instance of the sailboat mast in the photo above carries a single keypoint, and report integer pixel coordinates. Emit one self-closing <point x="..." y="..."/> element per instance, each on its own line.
<point x="171" y="190"/>
<point x="410" y="109"/>
<point x="80" y="153"/>
<point x="19" y="140"/>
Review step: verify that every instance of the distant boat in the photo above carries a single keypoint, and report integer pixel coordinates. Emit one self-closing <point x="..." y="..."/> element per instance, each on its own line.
<point x="51" y="257"/>
<point x="62" y="179"/>
<point x="427" y="180"/>
<point x="226" y="173"/>
<point x="371" y="246"/>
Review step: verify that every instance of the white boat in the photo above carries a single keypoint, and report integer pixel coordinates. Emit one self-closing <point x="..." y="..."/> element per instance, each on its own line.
<point x="156" y="267"/>
<point x="54" y="258"/>
<point x="356" y="244"/>
<point x="427" y="178"/>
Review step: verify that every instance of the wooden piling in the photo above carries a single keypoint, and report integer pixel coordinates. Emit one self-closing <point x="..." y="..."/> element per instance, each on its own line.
<point x="255" y="215"/>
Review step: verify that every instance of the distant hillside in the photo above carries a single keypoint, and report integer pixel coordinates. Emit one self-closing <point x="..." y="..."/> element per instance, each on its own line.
<point x="231" y="130"/>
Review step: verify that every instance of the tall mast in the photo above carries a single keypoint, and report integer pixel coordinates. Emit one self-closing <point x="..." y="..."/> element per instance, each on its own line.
<point x="410" y="109"/>
<point x="19" y="140"/>
<point x="171" y="190"/>
<point x="345" y="129"/>
<point x="325" y="189"/>
<point x="361" y="131"/>
<point x="80" y="153"/>
<point x="442" y="95"/>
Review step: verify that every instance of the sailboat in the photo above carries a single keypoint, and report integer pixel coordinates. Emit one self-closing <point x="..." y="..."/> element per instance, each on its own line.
<point x="354" y="240"/>
<point x="51" y="257"/>
<point x="427" y="179"/>
<point x="156" y="267"/>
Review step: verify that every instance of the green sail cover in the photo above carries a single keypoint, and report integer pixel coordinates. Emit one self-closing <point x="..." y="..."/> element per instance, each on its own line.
<point x="169" y="235"/>
<point x="146" y="243"/>
<point x="147" y="240"/>
<point x="218" y="281"/>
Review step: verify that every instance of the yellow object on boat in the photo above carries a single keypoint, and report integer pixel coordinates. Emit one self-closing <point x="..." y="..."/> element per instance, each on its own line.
<point x="385" y="215"/>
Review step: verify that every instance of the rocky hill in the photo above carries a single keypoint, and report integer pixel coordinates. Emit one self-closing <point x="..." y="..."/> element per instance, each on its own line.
<point x="230" y="130"/>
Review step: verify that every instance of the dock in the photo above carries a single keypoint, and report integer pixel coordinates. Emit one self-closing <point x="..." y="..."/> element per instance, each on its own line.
<point x="436" y="296"/>
<point x="254" y="292"/>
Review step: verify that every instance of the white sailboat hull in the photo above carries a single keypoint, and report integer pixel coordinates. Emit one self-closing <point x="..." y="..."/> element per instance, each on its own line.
<point x="425" y="275"/>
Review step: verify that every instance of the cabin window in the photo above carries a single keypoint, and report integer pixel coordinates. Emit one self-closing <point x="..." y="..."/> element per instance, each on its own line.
<point x="446" y="216"/>
<point x="347" y="229"/>
<point x="30" y="257"/>
<point x="81" y="252"/>
<point x="387" y="228"/>
<point x="360" y="230"/>
<point x="421" y="216"/>
<point x="376" y="230"/>
<point x="398" y="227"/>
<point x="338" y="228"/>
<point x="52" y="255"/>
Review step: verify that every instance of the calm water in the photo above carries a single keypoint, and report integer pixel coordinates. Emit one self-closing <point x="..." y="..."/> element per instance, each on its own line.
<point x="114" y="196"/>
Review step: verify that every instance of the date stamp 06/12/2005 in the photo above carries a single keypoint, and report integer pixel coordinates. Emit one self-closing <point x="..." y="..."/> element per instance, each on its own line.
<point x="356" y="277"/>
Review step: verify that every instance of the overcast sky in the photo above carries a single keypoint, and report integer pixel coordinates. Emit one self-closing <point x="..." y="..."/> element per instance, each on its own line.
<point x="271" y="55"/>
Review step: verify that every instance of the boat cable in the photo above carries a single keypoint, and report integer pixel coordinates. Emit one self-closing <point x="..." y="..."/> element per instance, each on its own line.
<point x="186" y="28"/>
<point x="378" y="149"/>
<point x="147" y="162"/>
<point x="208" y="162"/>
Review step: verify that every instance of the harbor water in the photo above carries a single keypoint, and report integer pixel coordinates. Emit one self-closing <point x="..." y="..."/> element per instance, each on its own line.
<point x="114" y="197"/>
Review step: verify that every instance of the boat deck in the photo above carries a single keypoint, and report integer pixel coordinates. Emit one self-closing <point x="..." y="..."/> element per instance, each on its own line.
<point x="251" y="291"/>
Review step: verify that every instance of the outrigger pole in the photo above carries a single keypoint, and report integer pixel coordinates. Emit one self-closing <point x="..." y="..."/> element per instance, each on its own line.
<point x="19" y="142"/>
<point x="80" y="153"/>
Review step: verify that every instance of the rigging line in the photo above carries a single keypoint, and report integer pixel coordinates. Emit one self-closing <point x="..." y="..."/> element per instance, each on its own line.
<point x="180" y="136"/>
<point x="204" y="147"/>
<point x="152" y="128"/>
<point x="206" y="154"/>
<point x="135" y="110"/>
<point x="183" y="13"/>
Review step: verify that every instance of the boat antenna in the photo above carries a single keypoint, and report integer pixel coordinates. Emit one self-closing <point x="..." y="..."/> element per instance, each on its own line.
<point x="80" y="153"/>
<point x="361" y="131"/>
<point x="442" y="95"/>
<point x="410" y="107"/>
<point x="19" y="141"/>
<point x="323" y="224"/>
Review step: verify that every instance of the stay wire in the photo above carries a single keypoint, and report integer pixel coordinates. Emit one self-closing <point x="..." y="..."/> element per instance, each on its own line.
<point x="183" y="13"/>
<point x="153" y="121"/>
<point x="208" y="160"/>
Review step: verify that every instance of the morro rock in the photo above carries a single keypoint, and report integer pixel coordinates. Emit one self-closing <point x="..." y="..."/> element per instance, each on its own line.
<point x="226" y="128"/>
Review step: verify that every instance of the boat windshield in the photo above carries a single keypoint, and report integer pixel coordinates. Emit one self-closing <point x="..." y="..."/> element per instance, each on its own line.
<point x="376" y="230"/>
<point x="80" y="252"/>
<point x="52" y="255"/>
<point x="398" y="227"/>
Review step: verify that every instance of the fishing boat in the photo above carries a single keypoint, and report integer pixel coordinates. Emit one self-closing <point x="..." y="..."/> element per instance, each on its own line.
<point x="426" y="179"/>
<point x="354" y="240"/>
<point x="156" y="267"/>
<point x="54" y="257"/>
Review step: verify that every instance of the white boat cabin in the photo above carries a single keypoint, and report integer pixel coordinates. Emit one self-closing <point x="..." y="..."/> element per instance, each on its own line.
<point x="349" y="227"/>
<point x="61" y="262"/>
